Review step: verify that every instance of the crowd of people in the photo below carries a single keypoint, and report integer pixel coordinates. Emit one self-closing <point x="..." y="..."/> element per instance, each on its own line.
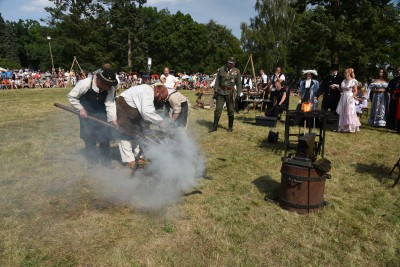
<point x="27" y="78"/>
<point x="343" y="95"/>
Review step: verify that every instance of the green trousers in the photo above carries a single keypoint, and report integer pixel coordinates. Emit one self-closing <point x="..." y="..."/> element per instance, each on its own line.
<point x="221" y="99"/>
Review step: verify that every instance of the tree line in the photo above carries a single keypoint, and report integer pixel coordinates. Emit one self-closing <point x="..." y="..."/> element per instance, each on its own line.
<point x="294" y="34"/>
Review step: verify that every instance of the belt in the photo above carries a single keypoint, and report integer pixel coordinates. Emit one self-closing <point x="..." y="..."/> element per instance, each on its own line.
<point x="223" y="87"/>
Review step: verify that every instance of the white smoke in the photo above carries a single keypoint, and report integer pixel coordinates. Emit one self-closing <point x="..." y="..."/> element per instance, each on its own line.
<point x="175" y="165"/>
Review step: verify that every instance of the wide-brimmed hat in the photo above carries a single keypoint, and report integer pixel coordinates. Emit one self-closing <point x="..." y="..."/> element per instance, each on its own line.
<point x="107" y="77"/>
<point x="313" y="72"/>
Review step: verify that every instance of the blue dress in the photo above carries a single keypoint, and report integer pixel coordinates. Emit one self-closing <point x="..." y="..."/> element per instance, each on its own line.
<point x="379" y="105"/>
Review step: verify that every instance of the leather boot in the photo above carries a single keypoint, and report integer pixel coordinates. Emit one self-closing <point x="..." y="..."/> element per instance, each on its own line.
<point x="230" y="123"/>
<point x="215" y="124"/>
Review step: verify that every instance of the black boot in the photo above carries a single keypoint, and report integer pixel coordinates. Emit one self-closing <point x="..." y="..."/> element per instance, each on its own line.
<point x="215" y="124"/>
<point x="230" y="123"/>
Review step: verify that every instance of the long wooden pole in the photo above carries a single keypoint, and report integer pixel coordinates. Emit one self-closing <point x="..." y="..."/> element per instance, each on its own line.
<point x="244" y="70"/>
<point x="78" y="64"/>
<point x="254" y="73"/>
<point x="106" y="124"/>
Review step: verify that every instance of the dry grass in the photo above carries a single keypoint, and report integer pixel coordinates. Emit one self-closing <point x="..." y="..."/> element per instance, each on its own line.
<point x="51" y="215"/>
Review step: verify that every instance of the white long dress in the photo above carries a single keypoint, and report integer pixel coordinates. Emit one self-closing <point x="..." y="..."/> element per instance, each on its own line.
<point x="348" y="120"/>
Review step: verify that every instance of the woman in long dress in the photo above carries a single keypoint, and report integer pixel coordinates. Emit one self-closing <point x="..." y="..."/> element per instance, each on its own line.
<point x="393" y="89"/>
<point x="348" y="120"/>
<point x="380" y="100"/>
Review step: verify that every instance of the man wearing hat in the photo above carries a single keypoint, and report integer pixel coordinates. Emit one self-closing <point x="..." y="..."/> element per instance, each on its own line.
<point x="135" y="109"/>
<point x="95" y="97"/>
<point x="308" y="89"/>
<point x="224" y="91"/>
<point x="330" y="88"/>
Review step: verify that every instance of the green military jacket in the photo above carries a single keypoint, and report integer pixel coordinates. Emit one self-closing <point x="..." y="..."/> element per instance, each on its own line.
<point x="228" y="78"/>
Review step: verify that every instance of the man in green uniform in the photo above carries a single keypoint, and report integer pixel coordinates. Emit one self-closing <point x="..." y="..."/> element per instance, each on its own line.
<point x="224" y="92"/>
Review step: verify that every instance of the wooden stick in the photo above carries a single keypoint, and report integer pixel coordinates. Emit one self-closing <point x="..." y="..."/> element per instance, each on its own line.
<point x="106" y="124"/>
<point x="254" y="73"/>
<point x="244" y="70"/>
<point x="78" y="64"/>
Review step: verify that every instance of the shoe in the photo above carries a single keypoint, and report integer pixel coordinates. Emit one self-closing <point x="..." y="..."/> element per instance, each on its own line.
<point x="215" y="125"/>
<point x="131" y="165"/>
<point x="143" y="161"/>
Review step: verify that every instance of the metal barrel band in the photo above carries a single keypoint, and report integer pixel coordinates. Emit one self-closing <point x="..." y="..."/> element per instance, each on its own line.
<point x="303" y="178"/>
<point x="298" y="206"/>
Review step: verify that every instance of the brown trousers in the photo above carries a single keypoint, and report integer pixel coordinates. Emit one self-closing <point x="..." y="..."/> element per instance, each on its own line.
<point x="128" y="117"/>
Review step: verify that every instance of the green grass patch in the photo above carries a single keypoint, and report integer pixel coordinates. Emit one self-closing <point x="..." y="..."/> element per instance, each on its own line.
<point x="52" y="215"/>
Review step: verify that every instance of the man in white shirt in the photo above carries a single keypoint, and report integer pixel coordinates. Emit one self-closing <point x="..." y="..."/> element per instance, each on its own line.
<point x="247" y="82"/>
<point x="95" y="97"/>
<point x="264" y="87"/>
<point x="170" y="80"/>
<point x="278" y="76"/>
<point x="135" y="108"/>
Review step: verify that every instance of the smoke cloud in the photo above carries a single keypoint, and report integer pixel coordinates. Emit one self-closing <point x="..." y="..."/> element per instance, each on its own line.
<point x="175" y="165"/>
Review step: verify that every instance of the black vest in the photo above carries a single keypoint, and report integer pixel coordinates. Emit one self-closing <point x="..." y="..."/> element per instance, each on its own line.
<point x="94" y="102"/>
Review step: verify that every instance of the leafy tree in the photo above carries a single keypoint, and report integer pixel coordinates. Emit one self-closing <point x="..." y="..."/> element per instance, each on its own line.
<point x="32" y="45"/>
<point x="268" y="35"/>
<point x="360" y="34"/>
<point x="79" y="28"/>
<point x="175" y="40"/>
<point x="126" y="26"/>
<point x="8" y="50"/>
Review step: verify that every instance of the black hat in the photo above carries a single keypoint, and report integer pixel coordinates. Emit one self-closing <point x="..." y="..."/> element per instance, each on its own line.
<point x="107" y="77"/>
<point x="334" y="66"/>
<point x="231" y="60"/>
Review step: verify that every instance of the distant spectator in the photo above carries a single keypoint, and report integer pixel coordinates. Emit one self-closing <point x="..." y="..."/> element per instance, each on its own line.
<point x="277" y="76"/>
<point x="361" y="98"/>
<point x="171" y="81"/>
<point x="247" y="83"/>
<point x="281" y="100"/>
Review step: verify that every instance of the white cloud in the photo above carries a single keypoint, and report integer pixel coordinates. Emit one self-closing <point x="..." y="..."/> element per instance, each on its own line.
<point x="35" y="5"/>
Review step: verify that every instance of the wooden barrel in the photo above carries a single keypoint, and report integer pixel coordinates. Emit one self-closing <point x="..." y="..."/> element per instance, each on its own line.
<point x="302" y="186"/>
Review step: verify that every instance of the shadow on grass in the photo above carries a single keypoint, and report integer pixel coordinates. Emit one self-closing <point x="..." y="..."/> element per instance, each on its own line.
<point x="268" y="186"/>
<point x="379" y="171"/>
<point x="205" y="123"/>
<point x="208" y="124"/>
<point x="379" y="129"/>
<point x="277" y="148"/>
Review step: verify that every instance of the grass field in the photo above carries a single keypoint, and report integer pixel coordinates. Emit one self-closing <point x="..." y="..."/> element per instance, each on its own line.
<point x="50" y="215"/>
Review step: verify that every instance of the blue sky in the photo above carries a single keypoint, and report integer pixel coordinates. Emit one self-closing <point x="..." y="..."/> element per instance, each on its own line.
<point x="226" y="12"/>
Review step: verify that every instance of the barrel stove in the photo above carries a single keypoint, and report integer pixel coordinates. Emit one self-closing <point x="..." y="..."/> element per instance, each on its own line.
<point x="303" y="179"/>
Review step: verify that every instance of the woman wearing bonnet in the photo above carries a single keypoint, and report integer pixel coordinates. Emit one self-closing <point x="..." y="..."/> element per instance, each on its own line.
<point x="348" y="120"/>
<point x="308" y="89"/>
